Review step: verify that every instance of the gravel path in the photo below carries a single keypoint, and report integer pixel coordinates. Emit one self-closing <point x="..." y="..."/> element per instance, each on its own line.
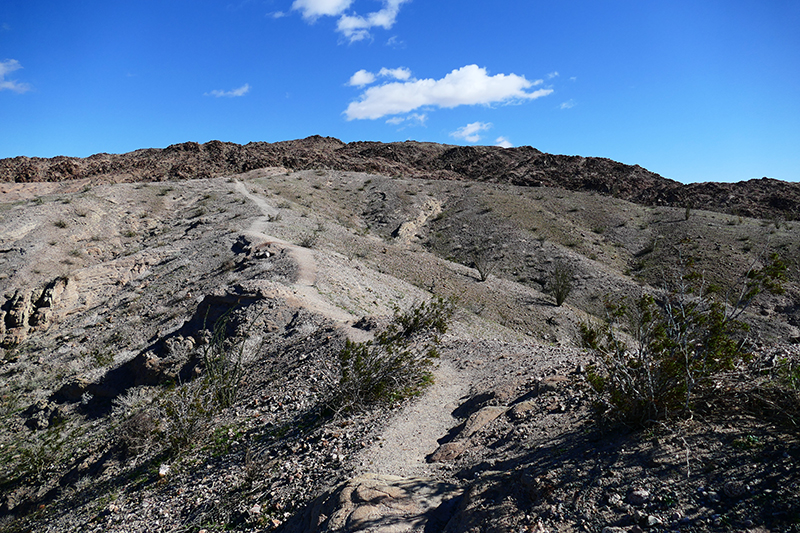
<point x="408" y="439"/>
<point x="412" y="435"/>
<point x="304" y="289"/>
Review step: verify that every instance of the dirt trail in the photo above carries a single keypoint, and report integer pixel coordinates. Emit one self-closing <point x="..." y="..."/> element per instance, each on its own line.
<point x="413" y="434"/>
<point x="304" y="288"/>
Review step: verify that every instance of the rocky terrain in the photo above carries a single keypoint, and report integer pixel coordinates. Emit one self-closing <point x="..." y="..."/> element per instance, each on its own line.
<point x="126" y="279"/>
<point x="762" y="198"/>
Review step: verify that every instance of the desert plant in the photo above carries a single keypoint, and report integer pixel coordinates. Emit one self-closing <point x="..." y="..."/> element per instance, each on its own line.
<point x="223" y="360"/>
<point x="484" y="261"/>
<point x="187" y="413"/>
<point x="680" y="342"/>
<point x="560" y="282"/>
<point x="396" y="364"/>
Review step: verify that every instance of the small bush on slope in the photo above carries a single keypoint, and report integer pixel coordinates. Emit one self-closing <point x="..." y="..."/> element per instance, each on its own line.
<point x="679" y="343"/>
<point x="396" y="364"/>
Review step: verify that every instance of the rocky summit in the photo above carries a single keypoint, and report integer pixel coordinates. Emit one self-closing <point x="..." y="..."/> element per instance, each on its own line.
<point x="313" y="336"/>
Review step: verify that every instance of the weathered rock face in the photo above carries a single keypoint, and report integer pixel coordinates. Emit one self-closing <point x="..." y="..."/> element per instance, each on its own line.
<point x="27" y="310"/>
<point x="761" y="198"/>
<point x="380" y="504"/>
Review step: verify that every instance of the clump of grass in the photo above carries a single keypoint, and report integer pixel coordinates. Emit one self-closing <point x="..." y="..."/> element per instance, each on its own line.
<point x="60" y="223"/>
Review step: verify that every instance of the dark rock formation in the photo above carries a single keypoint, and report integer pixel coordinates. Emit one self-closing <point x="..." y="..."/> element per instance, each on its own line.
<point x="526" y="166"/>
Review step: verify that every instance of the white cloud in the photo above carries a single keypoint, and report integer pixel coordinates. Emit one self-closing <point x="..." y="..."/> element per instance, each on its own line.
<point x="503" y="142"/>
<point x="470" y="132"/>
<point x="278" y="14"/>
<point x="356" y="28"/>
<point x="414" y="119"/>
<point x="365" y="77"/>
<point x="469" y="85"/>
<point x="241" y="91"/>
<point x="313" y="9"/>
<point x="361" y="78"/>
<point x="401" y="73"/>
<point x="395" y="42"/>
<point x="352" y="26"/>
<point x="569" y="104"/>
<point x="552" y="75"/>
<point x="6" y="67"/>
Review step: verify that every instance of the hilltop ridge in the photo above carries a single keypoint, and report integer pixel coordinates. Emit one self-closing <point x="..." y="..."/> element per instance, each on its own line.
<point x="526" y="166"/>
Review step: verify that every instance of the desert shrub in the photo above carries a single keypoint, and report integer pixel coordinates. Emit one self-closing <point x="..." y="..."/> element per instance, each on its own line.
<point x="223" y="360"/>
<point x="396" y="364"/>
<point x="137" y="433"/>
<point x="677" y="344"/>
<point x="560" y="282"/>
<point x="484" y="260"/>
<point x="187" y="412"/>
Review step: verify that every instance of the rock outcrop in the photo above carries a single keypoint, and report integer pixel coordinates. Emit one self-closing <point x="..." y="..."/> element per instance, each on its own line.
<point x="526" y="166"/>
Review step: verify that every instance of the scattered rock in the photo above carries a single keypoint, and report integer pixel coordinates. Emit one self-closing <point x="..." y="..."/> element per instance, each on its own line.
<point x="480" y="419"/>
<point x="379" y="504"/>
<point x="638" y="496"/>
<point x="448" y="451"/>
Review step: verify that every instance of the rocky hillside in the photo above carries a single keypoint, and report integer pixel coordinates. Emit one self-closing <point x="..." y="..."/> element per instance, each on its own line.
<point x="764" y="198"/>
<point x="177" y="328"/>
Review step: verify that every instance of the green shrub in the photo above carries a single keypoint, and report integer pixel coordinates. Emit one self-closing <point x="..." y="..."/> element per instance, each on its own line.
<point x="396" y="364"/>
<point x="678" y="343"/>
<point x="560" y="283"/>
<point x="223" y="364"/>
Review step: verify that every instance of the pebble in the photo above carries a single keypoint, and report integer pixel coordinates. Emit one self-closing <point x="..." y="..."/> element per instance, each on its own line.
<point x="638" y="496"/>
<point x="653" y="521"/>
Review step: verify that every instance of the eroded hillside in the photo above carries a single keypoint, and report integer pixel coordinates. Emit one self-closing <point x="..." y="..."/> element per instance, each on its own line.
<point x="111" y="293"/>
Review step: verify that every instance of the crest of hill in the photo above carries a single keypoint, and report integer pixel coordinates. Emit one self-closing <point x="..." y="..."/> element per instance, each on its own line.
<point x="526" y="166"/>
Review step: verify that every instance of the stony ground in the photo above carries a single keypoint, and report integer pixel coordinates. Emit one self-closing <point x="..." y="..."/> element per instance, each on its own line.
<point x="109" y="291"/>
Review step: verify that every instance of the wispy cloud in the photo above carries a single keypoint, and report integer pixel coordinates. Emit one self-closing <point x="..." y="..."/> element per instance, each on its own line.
<point x="414" y="119"/>
<point x="503" y="142"/>
<point x="352" y="26"/>
<point x="356" y="28"/>
<point x="6" y="67"/>
<point x="569" y="104"/>
<point x="470" y="132"/>
<point x="363" y="77"/>
<point x="313" y="9"/>
<point x="241" y="91"/>
<point x="552" y="75"/>
<point x="469" y="85"/>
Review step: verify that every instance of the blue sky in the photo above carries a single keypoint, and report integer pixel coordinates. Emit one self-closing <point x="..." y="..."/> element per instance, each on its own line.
<point x="699" y="90"/>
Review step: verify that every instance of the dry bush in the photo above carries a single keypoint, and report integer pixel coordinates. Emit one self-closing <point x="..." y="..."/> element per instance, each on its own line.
<point x="681" y="343"/>
<point x="560" y="282"/>
<point x="397" y="363"/>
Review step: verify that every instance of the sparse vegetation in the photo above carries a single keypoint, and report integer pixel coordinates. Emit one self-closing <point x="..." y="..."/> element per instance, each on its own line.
<point x="397" y="363"/>
<point x="679" y="343"/>
<point x="560" y="283"/>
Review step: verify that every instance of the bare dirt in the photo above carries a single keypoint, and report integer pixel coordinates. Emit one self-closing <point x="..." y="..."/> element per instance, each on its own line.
<point x="107" y="288"/>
